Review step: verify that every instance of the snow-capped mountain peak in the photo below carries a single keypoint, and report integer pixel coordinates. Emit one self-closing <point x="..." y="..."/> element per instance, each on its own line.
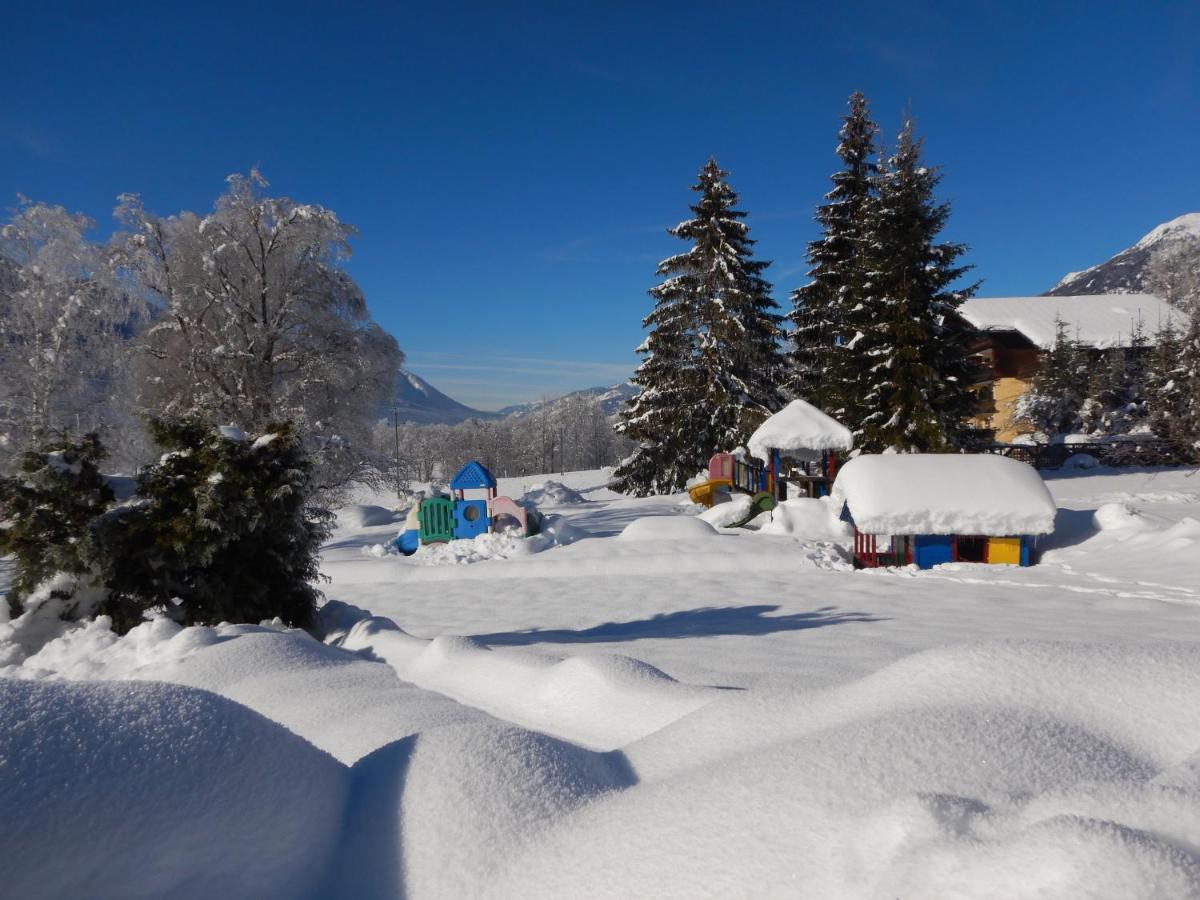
<point x="1185" y="227"/>
<point x="1128" y="271"/>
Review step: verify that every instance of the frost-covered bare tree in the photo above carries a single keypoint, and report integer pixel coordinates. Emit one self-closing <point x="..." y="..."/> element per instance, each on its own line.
<point x="65" y="328"/>
<point x="256" y="319"/>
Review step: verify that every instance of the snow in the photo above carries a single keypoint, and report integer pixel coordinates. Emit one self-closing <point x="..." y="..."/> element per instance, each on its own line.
<point x="809" y="519"/>
<point x="553" y="493"/>
<point x="798" y="427"/>
<point x="668" y="528"/>
<point x="944" y="493"/>
<point x="232" y="433"/>
<point x="1099" y="321"/>
<point x="694" y="714"/>
<point x="365" y="515"/>
<point x="726" y="515"/>
<point x="156" y="790"/>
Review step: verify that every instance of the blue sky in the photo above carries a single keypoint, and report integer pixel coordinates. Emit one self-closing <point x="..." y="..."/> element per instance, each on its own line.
<point x="512" y="166"/>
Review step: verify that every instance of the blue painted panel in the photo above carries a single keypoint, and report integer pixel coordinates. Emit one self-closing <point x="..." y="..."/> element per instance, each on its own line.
<point x="408" y="542"/>
<point x="1026" y="540"/>
<point x="930" y="550"/>
<point x="470" y="518"/>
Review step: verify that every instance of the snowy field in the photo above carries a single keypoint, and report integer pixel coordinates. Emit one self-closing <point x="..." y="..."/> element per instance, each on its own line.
<point x="627" y="707"/>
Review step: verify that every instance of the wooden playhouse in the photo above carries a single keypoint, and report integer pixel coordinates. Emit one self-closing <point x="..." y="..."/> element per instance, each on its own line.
<point x="927" y="509"/>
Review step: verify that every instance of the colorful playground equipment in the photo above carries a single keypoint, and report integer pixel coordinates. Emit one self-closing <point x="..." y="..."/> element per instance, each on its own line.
<point x="927" y="509"/>
<point x="439" y="519"/>
<point x="800" y="434"/>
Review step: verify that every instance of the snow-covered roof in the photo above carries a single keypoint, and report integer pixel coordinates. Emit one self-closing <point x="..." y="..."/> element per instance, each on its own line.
<point x="1097" y="320"/>
<point x="799" y="426"/>
<point x="944" y="493"/>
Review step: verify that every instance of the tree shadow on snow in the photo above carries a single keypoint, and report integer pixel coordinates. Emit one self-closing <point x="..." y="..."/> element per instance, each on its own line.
<point x="706" y="621"/>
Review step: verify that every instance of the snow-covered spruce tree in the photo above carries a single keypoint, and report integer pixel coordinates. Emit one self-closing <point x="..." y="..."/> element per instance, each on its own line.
<point x="914" y="372"/>
<point x="712" y="363"/>
<point x="1165" y="384"/>
<point x="1055" y="397"/>
<point x="818" y="360"/>
<point x="1117" y="385"/>
<point x="222" y="530"/>
<point x="1175" y="387"/>
<point x="46" y="511"/>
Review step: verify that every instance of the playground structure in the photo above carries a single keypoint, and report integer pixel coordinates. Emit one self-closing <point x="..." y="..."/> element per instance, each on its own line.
<point x="799" y="434"/>
<point x="437" y="520"/>
<point x="928" y="509"/>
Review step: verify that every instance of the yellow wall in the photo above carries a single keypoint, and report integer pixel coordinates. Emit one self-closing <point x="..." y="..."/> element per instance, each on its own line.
<point x="1006" y="392"/>
<point x="1001" y="418"/>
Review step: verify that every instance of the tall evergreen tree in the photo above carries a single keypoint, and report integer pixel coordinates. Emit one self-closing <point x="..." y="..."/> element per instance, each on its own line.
<point x="819" y="357"/>
<point x="712" y="356"/>
<point x="915" y="384"/>
<point x="1187" y="426"/>
<point x="1052" y="404"/>
<point x="1165" y="387"/>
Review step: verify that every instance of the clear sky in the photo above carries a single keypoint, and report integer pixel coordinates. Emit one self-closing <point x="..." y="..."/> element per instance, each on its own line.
<point x="512" y="166"/>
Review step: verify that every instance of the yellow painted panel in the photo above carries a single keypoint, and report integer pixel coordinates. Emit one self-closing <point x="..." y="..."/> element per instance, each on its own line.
<point x="1004" y="550"/>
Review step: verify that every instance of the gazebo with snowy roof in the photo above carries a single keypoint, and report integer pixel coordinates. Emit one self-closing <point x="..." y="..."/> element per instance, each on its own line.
<point x="928" y="508"/>
<point x="800" y="432"/>
<point x="806" y="435"/>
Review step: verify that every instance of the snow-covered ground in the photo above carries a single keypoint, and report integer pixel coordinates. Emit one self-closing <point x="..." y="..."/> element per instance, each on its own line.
<point x="672" y="710"/>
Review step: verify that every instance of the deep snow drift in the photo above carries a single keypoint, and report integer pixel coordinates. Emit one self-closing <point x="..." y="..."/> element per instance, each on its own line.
<point x="643" y="703"/>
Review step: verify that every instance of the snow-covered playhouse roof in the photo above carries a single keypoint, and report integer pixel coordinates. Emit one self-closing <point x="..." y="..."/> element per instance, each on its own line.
<point x="944" y="493"/>
<point x="799" y="426"/>
<point x="1101" y="321"/>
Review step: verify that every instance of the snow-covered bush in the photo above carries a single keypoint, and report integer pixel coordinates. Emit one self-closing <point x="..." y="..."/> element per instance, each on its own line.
<point x="45" y="511"/>
<point x="221" y="530"/>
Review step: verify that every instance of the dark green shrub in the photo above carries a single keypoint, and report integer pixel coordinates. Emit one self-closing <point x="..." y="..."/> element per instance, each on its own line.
<point x="221" y="530"/>
<point x="46" y="510"/>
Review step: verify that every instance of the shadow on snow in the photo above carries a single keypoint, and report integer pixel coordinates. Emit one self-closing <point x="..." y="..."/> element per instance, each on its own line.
<point x="704" y="621"/>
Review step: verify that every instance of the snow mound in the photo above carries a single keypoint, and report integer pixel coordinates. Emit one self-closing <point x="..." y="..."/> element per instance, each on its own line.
<point x="1005" y="769"/>
<point x="602" y="701"/>
<point x="131" y="789"/>
<point x="667" y="528"/>
<point x="481" y="548"/>
<point x="555" y="531"/>
<point x="797" y="428"/>
<point x="945" y="493"/>
<point x="808" y="519"/>
<point x="363" y="515"/>
<point x="553" y="493"/>
<point x="1079" y="462"/>
<point x="1120" y="517"/>
<point x="728" y="514"/>
<point x="468" y="798"/>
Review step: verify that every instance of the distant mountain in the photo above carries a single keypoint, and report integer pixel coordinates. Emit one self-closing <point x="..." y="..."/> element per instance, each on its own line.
<point x="611" y="399"/>
<point x="1126" y="273"/>
<point x="418" y="401"/>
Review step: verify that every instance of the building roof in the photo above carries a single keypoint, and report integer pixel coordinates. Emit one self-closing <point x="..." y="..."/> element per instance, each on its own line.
<point x="799" y="426"/>
<point x="1096" y="320"/>
<point x="944" y="493"/>
<point x="474" y="475"/>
